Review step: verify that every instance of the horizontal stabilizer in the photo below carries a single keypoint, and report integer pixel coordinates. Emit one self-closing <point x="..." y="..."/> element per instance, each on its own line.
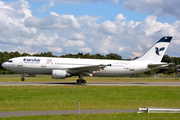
<point x="154" y="66"/>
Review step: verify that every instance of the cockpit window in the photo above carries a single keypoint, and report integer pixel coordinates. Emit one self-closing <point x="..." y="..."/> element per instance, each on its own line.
<point x="10" y="61"/>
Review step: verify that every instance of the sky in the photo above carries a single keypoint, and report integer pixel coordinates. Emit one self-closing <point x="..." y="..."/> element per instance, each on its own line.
<point x="125" y="27"/>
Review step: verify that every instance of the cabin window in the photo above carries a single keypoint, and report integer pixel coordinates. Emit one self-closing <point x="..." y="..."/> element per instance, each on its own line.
<point x="10" y="61"/>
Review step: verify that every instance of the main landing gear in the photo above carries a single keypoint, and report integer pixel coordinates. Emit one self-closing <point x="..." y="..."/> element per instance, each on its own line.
<point x="22" y="79"/>
<point x="81" y="80"/>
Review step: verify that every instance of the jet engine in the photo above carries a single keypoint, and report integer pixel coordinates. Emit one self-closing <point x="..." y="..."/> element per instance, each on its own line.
<point x="60" y="74"/>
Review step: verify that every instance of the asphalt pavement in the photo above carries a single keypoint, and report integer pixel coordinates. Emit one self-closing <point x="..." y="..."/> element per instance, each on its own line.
<point x="61" y="112"/>
<point x="90" y="84"/>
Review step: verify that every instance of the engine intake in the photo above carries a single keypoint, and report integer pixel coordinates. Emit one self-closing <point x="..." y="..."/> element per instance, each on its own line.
<point x="60" y="74"/>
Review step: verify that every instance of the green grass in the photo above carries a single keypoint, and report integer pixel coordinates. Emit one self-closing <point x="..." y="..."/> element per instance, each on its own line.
<point x="116" y="116"/>
<point x="31" y="98"/>
<point x="48" y="78"/>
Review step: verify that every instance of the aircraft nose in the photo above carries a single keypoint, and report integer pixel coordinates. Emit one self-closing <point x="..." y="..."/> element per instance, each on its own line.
<point x="4" y="65"/>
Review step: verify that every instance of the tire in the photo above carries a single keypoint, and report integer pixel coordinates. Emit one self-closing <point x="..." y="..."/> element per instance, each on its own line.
<point x="22" y="79"/>
<point x="84" y="81"/>
<point x="78" y="81"/>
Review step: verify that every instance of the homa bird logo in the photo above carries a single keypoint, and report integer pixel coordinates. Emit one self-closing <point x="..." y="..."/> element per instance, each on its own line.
<point x="159" y="49"/>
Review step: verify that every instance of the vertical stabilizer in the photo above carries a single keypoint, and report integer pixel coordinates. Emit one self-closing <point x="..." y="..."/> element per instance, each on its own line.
<point x="157" y="51"/>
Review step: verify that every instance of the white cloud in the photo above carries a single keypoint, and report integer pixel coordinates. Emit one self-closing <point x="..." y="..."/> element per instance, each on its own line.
<point x="85" y="50"/>
<point x="54" y="49"/>
<point x="109" y="27"/>
<point x="150" y="25"/>
<point x="72" y="1"/>
<point x="53" y="21"/>
<point x="121" y="49"/>
<point x="137" y="54"/>
<point x="154" y="7"/>
<point x="120" y="17"/>
<point x="139" y="48"/>
<point x="78" y="36"/>
<point x="73" y="20"/>
<point x="23" y="49"/>
<point x="45" y="7"/>
<point x="72" y="43"/>
<point x="83" y="1"/>
<point x="116" y="1"/>
<point x="177" y="42"/>
<point x="115" y="27"/>
<point x="63" y="34"/>
<point x="89" y="21"/>
<point x="13" y="15"/>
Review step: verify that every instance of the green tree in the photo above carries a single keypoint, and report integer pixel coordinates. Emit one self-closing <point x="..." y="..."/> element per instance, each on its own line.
<point x="25" y="54"/>
<point x="176" y="60"/>
<point x="87" y="55"/>
<point x="152" y="72"/>
<point x="169" y="71"/>
<point x="113" y="56"/>
<point x="17" y="54"/>
<point x="167" y="59"/>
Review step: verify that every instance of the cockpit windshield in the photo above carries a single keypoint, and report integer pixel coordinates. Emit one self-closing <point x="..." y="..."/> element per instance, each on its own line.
<point x="10" y="61"/>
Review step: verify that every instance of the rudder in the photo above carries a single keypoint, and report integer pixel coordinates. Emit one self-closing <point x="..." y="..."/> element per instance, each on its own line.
<point x="157" y="51"/>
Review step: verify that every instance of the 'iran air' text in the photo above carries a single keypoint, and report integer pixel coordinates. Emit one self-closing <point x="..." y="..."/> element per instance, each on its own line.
<point x="31" y="60"/>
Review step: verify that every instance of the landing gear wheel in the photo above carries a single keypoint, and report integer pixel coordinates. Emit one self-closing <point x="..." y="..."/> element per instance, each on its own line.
<point x="78" y="81"/>
<point x="22" y="79"/>
<point x="83" y="81"/>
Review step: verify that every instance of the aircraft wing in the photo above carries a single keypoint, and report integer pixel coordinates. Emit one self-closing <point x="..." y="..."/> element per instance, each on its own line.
<point x="87" y="69"/>
<point x="154" y="66"/>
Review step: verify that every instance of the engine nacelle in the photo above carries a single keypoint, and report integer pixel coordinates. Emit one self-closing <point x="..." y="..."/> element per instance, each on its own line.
<point x="60" y="74"/>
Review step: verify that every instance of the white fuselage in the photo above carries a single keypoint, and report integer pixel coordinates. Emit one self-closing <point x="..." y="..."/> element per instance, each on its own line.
<point x="60" y="68"/>
<point x="45" y="65"/>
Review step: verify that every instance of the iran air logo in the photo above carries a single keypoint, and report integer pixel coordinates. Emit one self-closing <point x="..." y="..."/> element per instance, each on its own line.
<point x="159" y="49"/>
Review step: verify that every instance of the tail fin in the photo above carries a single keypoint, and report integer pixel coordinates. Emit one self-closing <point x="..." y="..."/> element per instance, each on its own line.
<point x="157" y="51"/>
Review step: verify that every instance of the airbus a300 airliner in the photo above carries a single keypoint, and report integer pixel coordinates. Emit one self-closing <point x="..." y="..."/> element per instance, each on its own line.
<point x="60" y="68"/>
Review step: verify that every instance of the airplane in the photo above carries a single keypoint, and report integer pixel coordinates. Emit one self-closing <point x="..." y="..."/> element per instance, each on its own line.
<point x="60" y="68"/>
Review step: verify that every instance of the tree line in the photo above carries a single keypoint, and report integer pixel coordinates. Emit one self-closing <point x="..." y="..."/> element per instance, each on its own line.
<point x="4" y="56"/>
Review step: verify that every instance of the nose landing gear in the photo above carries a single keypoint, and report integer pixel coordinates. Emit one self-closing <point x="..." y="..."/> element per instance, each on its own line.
<point x="22" y="79"/>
